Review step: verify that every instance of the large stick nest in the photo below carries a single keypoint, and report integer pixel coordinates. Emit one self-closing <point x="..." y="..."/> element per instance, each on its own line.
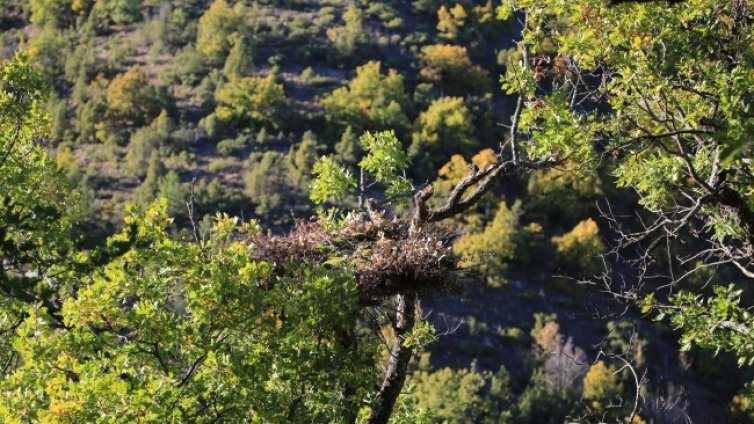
<point x="385" y="258"/>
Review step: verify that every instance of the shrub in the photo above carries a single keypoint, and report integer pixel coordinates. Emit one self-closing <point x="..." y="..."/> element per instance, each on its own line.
<point x="188" y="66"/>
<point x="450" y="21"/>
<point x="513" y="335"/>
<point x="532" y="248"/>
<point x="232" y="146"/>
<point x="177" y="194"/>
<point x="548" y="339"/>
<point x="118" y="11"/>
<point x="49" y="49"/>
<point x="52" y="13"/>
<point x="266" y="186"/>
<point x="541" y="403"/>
<point x="741" y="409"/>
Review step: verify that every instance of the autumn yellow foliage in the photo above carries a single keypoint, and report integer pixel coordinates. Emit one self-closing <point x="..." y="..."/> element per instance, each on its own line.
<point x="601" y="385"/>
<point x="492" y="248"/>
<point x="577" y="251"/>
<point x="449" y="67"/>
<point x="131" y="97"/>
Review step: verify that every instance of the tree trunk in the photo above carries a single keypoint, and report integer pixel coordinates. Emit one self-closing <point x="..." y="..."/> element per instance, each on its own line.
<point x="395" y="376"/>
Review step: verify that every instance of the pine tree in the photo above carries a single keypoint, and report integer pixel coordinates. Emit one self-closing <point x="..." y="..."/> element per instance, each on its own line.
<point x="240" y="60"/>
<point x="348" y="149"/>
<point x="145" y="140"/>
<point x="149" y="188"/>
<point x="347" y="38"/>
<point x="302" y="158"/>
<point x="176" y="193"/>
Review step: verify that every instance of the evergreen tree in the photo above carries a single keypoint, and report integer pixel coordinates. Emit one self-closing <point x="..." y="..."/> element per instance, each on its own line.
<point x="348" y="150"/>
<point x="120" y="11"/>
<point x="347" y="38"/>
<point x="54" y="13"/>
<point x="240" y="59"/>
<point x="301" y="159"/>
<point x="145" y="140"/>
<point x="266" y="184"/>
<point x="149" y="188"/>
<point x="175" y="193"/>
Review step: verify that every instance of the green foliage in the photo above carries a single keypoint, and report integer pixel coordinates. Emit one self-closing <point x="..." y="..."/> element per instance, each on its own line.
<point x="270" y="186"/>
<point x="251" y="102"/>
<point x="384" y="163"/>
<point x="422" y="335"/>
<point x="213" y="38"/>
<point x="450" y="21"/>
<point x="560" y="196"/>
<point x="131" y="97"/>
<point x="189" y="330"/>
<point x="449" y="68"/>
<point x="348" y="150"/>
<point x="601" y="386"/>
<point x="48" y="50"/>
<point x="174" y="192"/>
<point x="372" y="101"/>
<point x="741" y="408"/>
<point x="718" y="322"/>
<point x="240" y="60"/>
<point x="188" y="65"/>
<point x="118" y="11"/>
<point x="55" y="13"/>
<point x="147" y="191"/>
<point x="145" y="140"/>
<point x="678" y="130"/>
<point x="446" y="127"/>
<point x="386" y="160"/>
<point x="231" y="146"/>
<point x="347" y="38"/>
<point x="301" y="159"/>
<point x="540" y="321"/>
<point x="462" y="396"/>
<point x="331" y="181"/>
<point x="623" y="339"/>
<point x="37" y="207"/>
<point x="541" y="403"/>
<point x="494" y="247"/>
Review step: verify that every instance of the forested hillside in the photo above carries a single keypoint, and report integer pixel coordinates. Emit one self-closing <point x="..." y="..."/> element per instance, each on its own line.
<point x="376" y="211"/>
<point x="242" y="97"/>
